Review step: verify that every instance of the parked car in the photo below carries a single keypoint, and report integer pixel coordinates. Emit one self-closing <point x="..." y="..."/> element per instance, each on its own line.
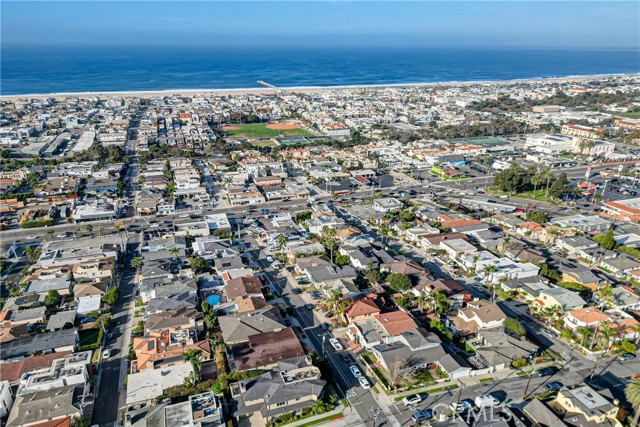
<point x="413" y="399"/>
<point x="287" y="322"/>
<point x="422" y="416"/>
<point x="297" y="291"/>
<point x="486" y="400"/>
<point x="546" y="371"/>
<point x="328" y="314"/>
<point x="106" y="354"/>
<point x="309" y="306"/>
<point x="554" y="386"/>
<point x="462" y="406"/>
<point x="364" y="383"/>
<point x="346" y="358"/>
<point x="336" y="344"/>
<point x="269" y="258"/>
<point x="626" y="356"/>
<point x="355" y="371"/>
<point x="549" y="333"/>
<point x="324" y="327"/>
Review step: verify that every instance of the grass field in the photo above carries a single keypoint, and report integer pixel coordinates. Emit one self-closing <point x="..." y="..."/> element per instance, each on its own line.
<point x="263" y="144"/>
<point x="260" y="130"/>
<point x="90" y="338"/>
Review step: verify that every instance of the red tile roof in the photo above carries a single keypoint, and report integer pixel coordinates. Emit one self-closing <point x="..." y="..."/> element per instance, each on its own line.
<point x="12" y="371"/>
<point x="60" y="422"/>
<point x="396" y="322"/>
<point x="361" y="307"/>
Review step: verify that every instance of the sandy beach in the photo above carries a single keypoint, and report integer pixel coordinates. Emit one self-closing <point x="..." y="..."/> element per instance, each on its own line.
<point x="302" y="89"/>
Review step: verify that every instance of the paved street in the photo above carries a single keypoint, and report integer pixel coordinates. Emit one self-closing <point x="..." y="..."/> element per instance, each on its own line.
<point x="361" y="400"/>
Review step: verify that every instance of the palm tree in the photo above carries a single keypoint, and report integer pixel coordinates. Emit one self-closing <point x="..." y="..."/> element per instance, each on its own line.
<point x="608" y="334"/>
<point x="282" y="240"/>
<point x="32" y="252"/>
<point x="536" y="180"/>
<point x="636" y="331"/>
<point x="424" y="300"/>
<point x="137" y="263"/>
<point x="584" y="332"/>
<point x="632" y="392"/>
<point x="329" y="233"/>
<point x="488" y="271"/>
<point x="505" y="245"/>
<point x="89" y="228"/>
<point x="101" y="231"/>
<point x="604" y="295"/>
<point x="193" y="356"/>
<point x="333" y="300"/>
<point x="441" y="301"/>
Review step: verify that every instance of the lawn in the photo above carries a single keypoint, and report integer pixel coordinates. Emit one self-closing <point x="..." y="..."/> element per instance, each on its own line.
<point x="538" y="195"/>
<point x="90" y="338"/>
<point x="261" y="130"/>
<point x="486" y="380"/>
<point x="264" y="144"/>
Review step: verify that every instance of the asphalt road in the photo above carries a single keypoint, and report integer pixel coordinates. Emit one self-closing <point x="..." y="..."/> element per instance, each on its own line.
<point x="363" y="401"/>
<point x="110" y="395"/>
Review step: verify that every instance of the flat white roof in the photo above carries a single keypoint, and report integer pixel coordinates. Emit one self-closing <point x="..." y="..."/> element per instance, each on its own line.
<point x="151" y="383"/>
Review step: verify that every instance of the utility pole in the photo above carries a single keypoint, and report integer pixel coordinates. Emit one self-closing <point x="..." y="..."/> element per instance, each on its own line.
<point x="526" y="389"/>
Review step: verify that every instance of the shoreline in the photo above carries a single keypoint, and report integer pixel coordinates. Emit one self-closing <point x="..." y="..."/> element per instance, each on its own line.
<point x="304" y="89"/>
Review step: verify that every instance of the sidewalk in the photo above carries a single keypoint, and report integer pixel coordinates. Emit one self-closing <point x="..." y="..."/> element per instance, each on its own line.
<point x="464" y="382"/>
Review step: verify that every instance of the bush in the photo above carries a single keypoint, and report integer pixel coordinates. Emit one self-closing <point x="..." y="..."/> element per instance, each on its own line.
<point x="519" y="363"/>
<point x="36" y="223"/>
<point x="515" y="326"/>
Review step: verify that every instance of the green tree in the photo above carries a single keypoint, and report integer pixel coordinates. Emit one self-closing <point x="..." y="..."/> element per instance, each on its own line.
<point x="193" y="356"/>
<point x="33" y="253"/>
<point x="301" y="217"/>
<point x="49" y="234"/>
<point x="52" y="299"/>
<point x="398" y="282"/>
<point x="441" y="301"/>
<point x="342" y="260"/>
<point x="111" y="296"/>
<point x="632" y="392"/>
<point x="199" y="265"/>
<point x="89" y="228"/>
<point x="537" y="216"/>
<point x="606" y="239"/>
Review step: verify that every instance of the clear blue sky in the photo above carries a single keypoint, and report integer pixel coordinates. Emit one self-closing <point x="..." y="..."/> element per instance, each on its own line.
<point x="513" y="24"/>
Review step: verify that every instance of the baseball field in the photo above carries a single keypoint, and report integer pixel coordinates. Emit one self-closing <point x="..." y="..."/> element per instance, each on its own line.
<point x="263" y="130"/>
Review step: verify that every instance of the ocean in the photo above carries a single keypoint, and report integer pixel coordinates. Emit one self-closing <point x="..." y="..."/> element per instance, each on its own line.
<point x="128" y="69"/>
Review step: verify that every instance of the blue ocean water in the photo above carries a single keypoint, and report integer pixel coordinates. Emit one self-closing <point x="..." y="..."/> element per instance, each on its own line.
<point x="102" y="69"/>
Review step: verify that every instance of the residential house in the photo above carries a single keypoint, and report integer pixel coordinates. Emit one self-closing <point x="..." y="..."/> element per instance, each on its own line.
<point x="576" y="273"/>
<point x="237" y="328"/>
<point x="535" y="231"/>
<point x="585" y="406"/>
<point x="370" y="332"/>
<point x="559" y="297"/>
<point x="264" y="350"/>
<point x="411" y="350"/>
<point x="161" y="348"/>
<point x="476" y="316"/>
<point x="361" y="309"/>
<point x="57" y="341"/>
<point x="498" y="348"/>
<point x="61" y="404"/>
<point x="456" y="248"/>
<point x="294" y="384"/>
